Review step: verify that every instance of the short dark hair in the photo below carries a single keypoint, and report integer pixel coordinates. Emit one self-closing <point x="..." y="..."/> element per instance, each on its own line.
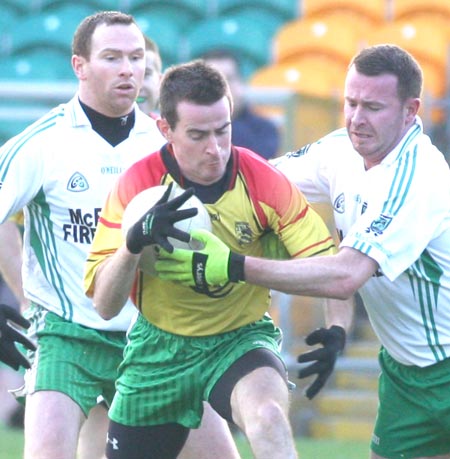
<point x="82" y="39"/>
<point x="194" y="82"/>
<point x="391" y="59"/>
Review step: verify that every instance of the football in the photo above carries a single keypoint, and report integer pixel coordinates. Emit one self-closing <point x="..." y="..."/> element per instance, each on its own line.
<point x="144" y="201"/>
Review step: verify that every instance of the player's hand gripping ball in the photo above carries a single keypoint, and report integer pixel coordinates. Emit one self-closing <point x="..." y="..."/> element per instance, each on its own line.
<point x="147" y="199"/>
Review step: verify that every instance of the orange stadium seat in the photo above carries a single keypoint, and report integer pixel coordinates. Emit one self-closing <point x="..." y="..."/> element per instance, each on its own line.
<point x="334" y="37"/>
<point x="310" y="76"/>
<point x="405" y="9"/>
<point x="317" y="86"/>
<point x="427" y="43"/>
<point x="376" y="10"/>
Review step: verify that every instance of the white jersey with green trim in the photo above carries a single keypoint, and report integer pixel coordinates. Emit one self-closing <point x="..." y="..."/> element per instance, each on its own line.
<point x="60" y="171"/>
<point x="397" y="213"/>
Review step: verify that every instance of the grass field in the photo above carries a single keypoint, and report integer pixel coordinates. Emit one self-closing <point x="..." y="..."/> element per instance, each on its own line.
<point x="11" y="446"/>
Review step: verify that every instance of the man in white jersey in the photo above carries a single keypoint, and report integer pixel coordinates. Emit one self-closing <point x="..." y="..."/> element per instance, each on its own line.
<point x="59" y="170"/>
<point x="390" y="191"/>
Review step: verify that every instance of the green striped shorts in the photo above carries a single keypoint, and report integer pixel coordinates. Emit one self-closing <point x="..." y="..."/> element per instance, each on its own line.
<point x="164" y="378"/>
<point x="78" y="361"/>
<point x="413" y="417"/>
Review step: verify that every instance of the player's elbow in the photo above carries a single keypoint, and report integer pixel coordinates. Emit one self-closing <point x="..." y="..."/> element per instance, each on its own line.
<point x="106" y="313"/>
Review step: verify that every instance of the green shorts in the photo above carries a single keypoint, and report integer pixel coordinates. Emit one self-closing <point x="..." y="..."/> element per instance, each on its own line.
<point x="80" y="362"/>
<point x="165" y="378"/>
<point x="413" y="417"/>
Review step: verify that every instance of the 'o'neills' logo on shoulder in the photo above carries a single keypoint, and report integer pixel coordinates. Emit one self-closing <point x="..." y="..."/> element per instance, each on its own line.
<point x="77" y="183"/>
<point x="244" y="233"/>
<point x="339" y="204"/>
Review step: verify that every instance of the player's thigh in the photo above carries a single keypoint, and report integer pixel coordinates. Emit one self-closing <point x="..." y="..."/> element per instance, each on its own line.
<point x="212" y="439"/>
<point x="92" y="439"/>
<point x="75" y="360"/>
<point x="52" y="425"/>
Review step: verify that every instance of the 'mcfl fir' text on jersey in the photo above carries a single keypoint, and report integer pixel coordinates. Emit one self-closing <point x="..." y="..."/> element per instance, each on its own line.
<point x="82" y="225"/>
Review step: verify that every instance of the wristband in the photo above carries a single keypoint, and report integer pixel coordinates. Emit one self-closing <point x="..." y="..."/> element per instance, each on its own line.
<point x="236" y="270"/>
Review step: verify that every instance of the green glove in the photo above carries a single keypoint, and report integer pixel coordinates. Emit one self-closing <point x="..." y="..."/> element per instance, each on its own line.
<point x="213" y="265"/>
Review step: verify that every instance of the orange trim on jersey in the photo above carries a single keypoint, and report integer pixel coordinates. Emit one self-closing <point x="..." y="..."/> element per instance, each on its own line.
<point x="323" y="249"/>
<point x="109" y="224"/>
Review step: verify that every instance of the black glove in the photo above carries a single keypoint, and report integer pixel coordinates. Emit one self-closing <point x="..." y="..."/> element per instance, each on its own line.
<point x="156" y="225"/>
<point x="9" y="354"/>
<point x="333" y="340"/>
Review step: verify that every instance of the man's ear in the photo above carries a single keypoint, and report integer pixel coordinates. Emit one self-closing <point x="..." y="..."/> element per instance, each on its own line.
<point x="164" y="128"/>
<point x="412" y="107"/>
<point x="78" y="65"/>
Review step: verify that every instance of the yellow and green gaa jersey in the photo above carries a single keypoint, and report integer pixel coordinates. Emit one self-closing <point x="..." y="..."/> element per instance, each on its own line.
<point x="252" y="199"/>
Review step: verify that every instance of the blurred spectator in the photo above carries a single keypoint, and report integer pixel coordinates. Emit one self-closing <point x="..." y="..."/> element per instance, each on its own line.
<point x="148" y="97"/>
<point x="440" y="136"/>
<point x="250" y="130"/>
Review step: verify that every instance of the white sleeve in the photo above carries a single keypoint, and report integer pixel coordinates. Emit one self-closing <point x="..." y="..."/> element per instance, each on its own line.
<point x="21" y="171"/>
<point x="304" y="167"/>
<point x="409" y="207"/>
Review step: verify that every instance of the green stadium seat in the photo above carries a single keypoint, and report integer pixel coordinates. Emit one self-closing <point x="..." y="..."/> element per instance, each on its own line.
<point x="165" y="33"/>
<point x="53" y="29"/>
<point x="43" y="64"/>
<point x="195" y="9"/>
<point x="93" y="5"/>
<point x="238" y="34"/>
<point x="285" y="9"/>
<point x="21" y="6"/>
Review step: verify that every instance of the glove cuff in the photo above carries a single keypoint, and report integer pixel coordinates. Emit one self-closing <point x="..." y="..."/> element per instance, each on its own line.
<point x="236" y="263"/>
<point x="340" y="334"/>
<point x="132" y="244"/>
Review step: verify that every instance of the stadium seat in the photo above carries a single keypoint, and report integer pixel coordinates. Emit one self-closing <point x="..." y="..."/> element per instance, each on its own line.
<point x="49" y="30"/>
<point x="165" y="33"/>
<point x="21" y="6"/>
<point x="428" y="44"/>
<point x="317" y="86"/>
<point x="240" y="35"/>
<point x="405" y="9"/>
<point x="376" y="10"/>
<point x="93" y="5"/>
<point x="8" y="16"/>
<point x="285" y="9"/>
<point x="333" y="37"/>
<point x="45" y="64"/>
<point x="311" y="76"/>
<point x="195" y="9"/>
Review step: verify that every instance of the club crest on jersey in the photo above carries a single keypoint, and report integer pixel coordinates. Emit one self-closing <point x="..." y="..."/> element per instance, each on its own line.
<point x="77" y="183"/>
<point x="379" y="225"/>
<point x="244" y="233"/>
<point x="339" y="204"/>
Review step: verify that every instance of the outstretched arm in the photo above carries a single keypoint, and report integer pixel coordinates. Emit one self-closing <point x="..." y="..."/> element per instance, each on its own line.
<point x="335" y="276"/>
